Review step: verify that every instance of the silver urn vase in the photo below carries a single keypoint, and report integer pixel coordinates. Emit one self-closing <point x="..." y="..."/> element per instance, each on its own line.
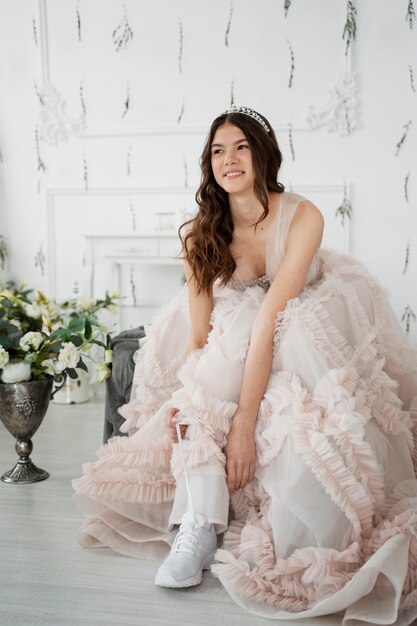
<point x="22" y="409"/>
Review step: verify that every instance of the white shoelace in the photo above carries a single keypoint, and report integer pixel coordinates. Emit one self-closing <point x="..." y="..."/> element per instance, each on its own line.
<point x="186" y="542"/>
<point x="190" y="500"/>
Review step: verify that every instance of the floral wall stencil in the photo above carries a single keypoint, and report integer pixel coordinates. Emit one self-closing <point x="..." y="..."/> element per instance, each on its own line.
<point x="292" y="68"/>
<point x="180" y="116"/>
<point x="127" y="101"/>
<point x="34" y="31"/>
<point x="411" y="14"/>
<point x="290" y="139"/>
<point x="180" y="47"/>
<point x="122" y="34"/>
<point x="408" y="317"/>
<point x="132" y="215"/>
<point x="185" y="172"/>
<point x="407" y="258"/>
<point x="4" y="253"/>
<point x="349" y="31"/>
<point x="411" y="74"/>
<point x="40" y="260"/>
<point x="128" y="160"/>
<point x="287" y="4"/>
<point x="344" y="211"/>
<point x="55" y="123"/>
<point x="78" y="21"/>
<point x="133" y="285"/>
<point x="403" y="137"/>
<point x="41" y="165"/>
<point x="406" y="181"/>
<point x="85" y="171"/>
<point x="82" y="99"/>
<point x="340" y="112"/>
<point x="229" y="25"/>
<point x="38" y="94"/>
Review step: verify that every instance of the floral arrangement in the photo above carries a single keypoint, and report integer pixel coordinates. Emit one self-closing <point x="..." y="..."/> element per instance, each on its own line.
<point x="40" y="338"/>
<point x="4" y="253"/>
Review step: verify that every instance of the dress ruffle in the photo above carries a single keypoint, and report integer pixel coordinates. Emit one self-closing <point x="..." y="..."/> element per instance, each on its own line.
<point x="336" y="441"/>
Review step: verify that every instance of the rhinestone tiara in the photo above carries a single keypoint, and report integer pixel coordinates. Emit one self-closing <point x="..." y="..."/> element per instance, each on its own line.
<point x="246" y="111"/>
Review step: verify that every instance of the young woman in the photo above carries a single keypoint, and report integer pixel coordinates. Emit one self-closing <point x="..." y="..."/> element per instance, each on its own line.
<point x="272" y="402"/>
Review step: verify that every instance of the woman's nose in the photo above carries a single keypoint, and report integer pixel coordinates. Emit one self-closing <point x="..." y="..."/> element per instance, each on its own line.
<point x="231" y="156"/>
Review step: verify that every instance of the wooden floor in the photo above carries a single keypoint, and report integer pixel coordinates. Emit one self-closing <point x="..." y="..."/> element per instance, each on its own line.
<point x="47" y="579"/>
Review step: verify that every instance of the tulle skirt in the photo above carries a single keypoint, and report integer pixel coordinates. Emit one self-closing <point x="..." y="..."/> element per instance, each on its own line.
<point x="329" y="523"/>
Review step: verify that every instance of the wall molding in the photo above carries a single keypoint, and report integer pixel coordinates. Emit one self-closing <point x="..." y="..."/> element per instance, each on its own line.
<point x="53" y="193"/>
<point x="316" y="116"/>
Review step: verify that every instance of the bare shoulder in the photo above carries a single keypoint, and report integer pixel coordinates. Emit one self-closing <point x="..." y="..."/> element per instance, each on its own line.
<point x="307" y="221"/>
<point x="308" y="212"/>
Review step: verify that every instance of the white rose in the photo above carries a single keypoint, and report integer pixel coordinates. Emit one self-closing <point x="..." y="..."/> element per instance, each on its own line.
<point x="69" y="355"/>
<point x="31" y="340"/>
<point x="50" y="310"/>
<point x="52" y="367"/>
<point x="103" y="371"/>
<point x="4" y="357"/>
<point x="33" y="310"/>
<point x="85" y="303"/>
<point x="16" y="371"/>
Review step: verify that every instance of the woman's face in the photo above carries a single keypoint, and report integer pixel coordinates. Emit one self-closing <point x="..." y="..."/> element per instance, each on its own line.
<point x="231" y="160"/>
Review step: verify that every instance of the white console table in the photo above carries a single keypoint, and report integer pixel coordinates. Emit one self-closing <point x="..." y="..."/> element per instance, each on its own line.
<point x="114" y="252"/>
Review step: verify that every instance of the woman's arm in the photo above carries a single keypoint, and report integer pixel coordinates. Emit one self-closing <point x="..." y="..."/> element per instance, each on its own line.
<point x="304" y="237"/>
<point x="201" y="306"/>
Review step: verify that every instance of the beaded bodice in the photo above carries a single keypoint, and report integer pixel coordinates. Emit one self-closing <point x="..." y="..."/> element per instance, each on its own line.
<point x="240" y="285"/>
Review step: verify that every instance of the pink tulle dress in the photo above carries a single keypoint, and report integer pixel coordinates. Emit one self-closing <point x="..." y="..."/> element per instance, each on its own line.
<point x="329" y="523"/>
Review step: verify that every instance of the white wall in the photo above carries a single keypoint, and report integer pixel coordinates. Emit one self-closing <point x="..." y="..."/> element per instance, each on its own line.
<point x="257" y="60"/>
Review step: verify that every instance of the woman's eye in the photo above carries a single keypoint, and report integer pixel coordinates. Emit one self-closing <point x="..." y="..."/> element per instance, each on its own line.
<point x="217" y="151"/>
<point x="242" y="145"/>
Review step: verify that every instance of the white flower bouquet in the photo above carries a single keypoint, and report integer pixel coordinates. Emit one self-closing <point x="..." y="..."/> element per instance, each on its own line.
<point x="40" y="339"/>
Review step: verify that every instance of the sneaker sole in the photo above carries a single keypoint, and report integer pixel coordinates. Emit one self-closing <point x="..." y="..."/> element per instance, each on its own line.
<point x="169" y="581"/>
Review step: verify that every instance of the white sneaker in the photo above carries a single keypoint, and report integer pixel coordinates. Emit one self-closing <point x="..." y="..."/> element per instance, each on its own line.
<point x="191" y="553"/>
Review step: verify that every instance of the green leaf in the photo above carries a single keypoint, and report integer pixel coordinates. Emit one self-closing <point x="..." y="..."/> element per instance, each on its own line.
<point x="98" y="343"/>
<point x="76" y="323"/>
<point x="59" y="333"/>
<point x="55" y="347"/>
<point x="72" y="373"/>
<point x="37" y="372"/>
<point x="87" y="329"/>
<point x="82" y="366"/>
<point x="76" y="340"/>
<point x="10" y="337"/>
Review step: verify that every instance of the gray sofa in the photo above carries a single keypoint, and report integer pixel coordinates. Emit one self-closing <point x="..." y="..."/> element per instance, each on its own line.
<point x="119" y="385"/>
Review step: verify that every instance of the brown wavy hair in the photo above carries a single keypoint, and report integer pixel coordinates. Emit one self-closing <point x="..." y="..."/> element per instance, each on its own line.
<point x="211" y="231"/>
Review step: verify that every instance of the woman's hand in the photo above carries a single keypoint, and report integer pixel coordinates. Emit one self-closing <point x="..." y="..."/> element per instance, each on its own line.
<point x="240" y="451"/>
<point x="171" y="422"/>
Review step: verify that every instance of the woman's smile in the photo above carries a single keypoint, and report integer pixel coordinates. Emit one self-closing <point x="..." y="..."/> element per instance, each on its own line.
<point x="234" y="174"/>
